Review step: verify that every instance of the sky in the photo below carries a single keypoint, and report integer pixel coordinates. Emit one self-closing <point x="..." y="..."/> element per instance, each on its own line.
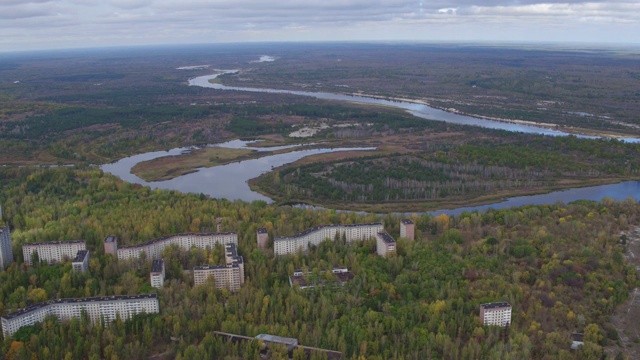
<point x="54" y="24"/>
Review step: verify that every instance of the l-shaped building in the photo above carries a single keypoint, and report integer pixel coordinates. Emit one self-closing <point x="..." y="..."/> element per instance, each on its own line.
<point x="107" y="308"/>
<point x="153" y="249"/>
<point x="353" y="232"/>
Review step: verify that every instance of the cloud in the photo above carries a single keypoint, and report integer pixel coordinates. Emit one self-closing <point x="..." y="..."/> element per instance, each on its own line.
<point x="24" y="11"/>
<point x="130" y="4"/>
<point x="156" y="21"/>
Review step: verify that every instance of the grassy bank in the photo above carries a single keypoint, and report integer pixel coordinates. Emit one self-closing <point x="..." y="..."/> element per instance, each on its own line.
<point x="169" y="167"/>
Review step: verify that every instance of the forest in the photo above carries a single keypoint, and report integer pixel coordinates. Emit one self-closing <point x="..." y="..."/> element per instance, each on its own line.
<point x="445" y="172"/>
<point x="562" y="267"/>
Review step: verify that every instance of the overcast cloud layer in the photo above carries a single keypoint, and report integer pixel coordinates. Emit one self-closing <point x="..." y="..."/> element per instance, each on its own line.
<point x="45" y="24"/>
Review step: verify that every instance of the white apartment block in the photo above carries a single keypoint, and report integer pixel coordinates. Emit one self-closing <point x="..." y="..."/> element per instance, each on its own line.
<point x="385" y="244"/>
<point x="154" y="248"/>
<point x="6" y="253"/>
<point x="229" y="276"/>
<point x="157" y="274"/>
<point x="81" y="261"/>
<point x="497" y="314"/>
<point x="96" y="307"/>
<point x="53" y="252"/>
<point x="293" y="244"/>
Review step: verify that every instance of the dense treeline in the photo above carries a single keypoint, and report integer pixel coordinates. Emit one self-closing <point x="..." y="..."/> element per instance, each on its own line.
<point x="474" y="169"/>
<point x="76" y="118"/>
<point x="560" y="266"/>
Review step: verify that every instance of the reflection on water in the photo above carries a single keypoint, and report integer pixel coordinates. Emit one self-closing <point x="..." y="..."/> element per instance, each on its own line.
<point x="225" y="181"/>
<point x="620" y="191"/>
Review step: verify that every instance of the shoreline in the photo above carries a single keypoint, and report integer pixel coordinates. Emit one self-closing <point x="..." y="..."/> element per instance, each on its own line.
<point x="569" y="130"/>
<point x="433" y="205"/>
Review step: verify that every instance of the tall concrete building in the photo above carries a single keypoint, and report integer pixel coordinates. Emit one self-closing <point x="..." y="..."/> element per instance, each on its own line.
<point x="153" y="249"/>
<point x="157" y="273"/>
<point x="407" y="229"/>
<point x="497" y="314"/>
<point x="262" y="238"/>
<point x="385" y="244"/>
<point x="111" y="245"/>
<point x="6" y="253"/>
<point x="53" y="252"/>
<point x="81" y="261"/>
<point x="300" y="242"/>
<point x="229" y="276"/>
<point x="96" y="307"/>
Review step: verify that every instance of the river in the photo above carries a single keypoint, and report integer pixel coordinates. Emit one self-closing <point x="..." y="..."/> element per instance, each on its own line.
<point x="416" y="109"/>
<point x="225" y="181"/>
<point x="230" y="181"/>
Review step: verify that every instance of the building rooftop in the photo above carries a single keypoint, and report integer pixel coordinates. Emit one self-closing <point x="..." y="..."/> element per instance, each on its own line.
<point x="157" y="265"/>
<point x="232" y="256"/>
<point x="172" y="236"/>
<point x="3" y="228"/>
<point x="55" y="243"/>
<point x="577" y="337"/>
<point x="406" y="221"/>
<point x="77" y="300"/>
<point x="81" y="255"/>
<point x="110" y="239"/>
<point x="278" y="339"/>
<point x="262" y="230"/>
<point x="496" y="305"/>
<point x="386" y="237"/>
<point x="213" y="267"/>
<point x="317" y="228"/>
<point x="339" y="276"/>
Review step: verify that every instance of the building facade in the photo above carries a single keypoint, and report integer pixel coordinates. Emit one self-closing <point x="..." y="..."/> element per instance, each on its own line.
<point x="111" y="245"/>
<point x="385" y="244"/>
<point x="293" y="244"/>
<point x="407" y="229"/>
<point x="96" y="308"/>
<point x="497" y="314"/>
<point x="229" y="276"/>
<point x="53" y="252"/>
<point x="307" y="280"/>
<point x="81" y="261"/>
<point x="153" y="249"/>
<point x="6" y="253"/>
<point x="157" y="274"/>
<point x="262" y="237"/>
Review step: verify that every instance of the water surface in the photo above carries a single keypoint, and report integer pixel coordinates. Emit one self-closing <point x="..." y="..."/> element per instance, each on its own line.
<point x="419" y="110"/>
<point x="225" y="181"/>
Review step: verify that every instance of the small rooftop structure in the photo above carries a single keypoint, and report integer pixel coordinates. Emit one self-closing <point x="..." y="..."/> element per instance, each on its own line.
<point x="577" y="340"/>
<point x="291" y="343"/>
<point x="157" y="265"/>
<point x="81" y="255"/>
<point x="407" y="221"/>
<point x="386" y="237"/>
<point x="157" y="274"/>
<point x="495" y="305"/>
